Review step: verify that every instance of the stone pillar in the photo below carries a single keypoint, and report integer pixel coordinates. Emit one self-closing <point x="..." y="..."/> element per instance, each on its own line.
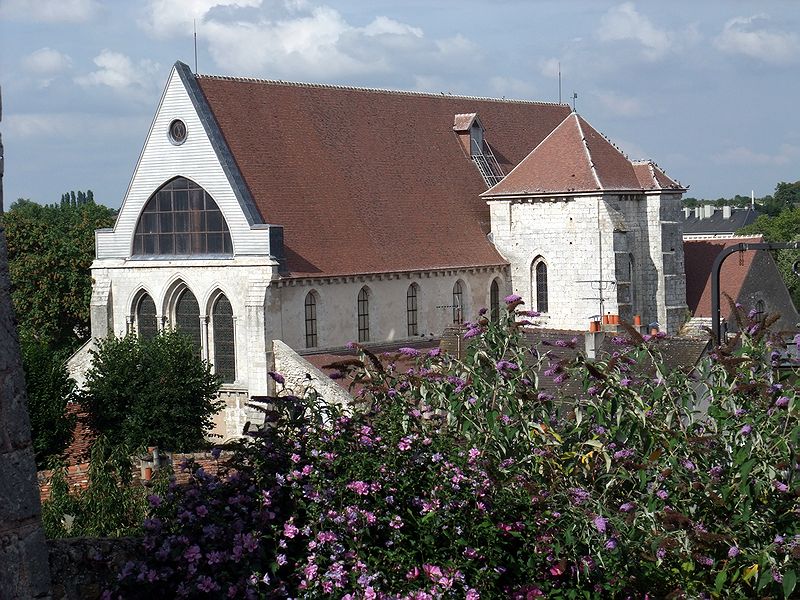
<point x="24" y="569"/>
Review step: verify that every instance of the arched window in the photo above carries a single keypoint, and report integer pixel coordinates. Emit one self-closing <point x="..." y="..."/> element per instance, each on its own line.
<point x="146" y="322"/>
<point x="760" y="307"/>
<point x="181" y="219"/>
<point x="224" y="344"/>
<point x="494" y="301"/>
<point x="187" y="318"/>
<point x="311" y="320"/>
<point x="363" y="315"/>
<point x="539" y="284"/>
<point x="411" y="309"/>
<point x="458" y="303"/>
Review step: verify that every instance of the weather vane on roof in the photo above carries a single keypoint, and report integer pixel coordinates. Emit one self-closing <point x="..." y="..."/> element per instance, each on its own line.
<point x="574" y="97"/>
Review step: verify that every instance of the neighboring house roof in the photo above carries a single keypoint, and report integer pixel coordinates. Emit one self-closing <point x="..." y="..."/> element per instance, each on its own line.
<point x="699" y="256"/>
<point x="716" y="223"/>
<point x="575" y="157"/>
<point x="370" y="181"/>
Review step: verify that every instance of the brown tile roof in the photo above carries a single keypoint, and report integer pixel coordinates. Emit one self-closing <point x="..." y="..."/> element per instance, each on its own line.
<point x="699" y="256"/>
<point x="369" y="181"/>
<point x="575" y="157"/>
<point x="651" y="177"/>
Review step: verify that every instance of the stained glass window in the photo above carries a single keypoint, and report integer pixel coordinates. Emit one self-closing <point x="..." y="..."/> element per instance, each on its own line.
<point x="458" y="303"/>
<point x="541" y="286"/>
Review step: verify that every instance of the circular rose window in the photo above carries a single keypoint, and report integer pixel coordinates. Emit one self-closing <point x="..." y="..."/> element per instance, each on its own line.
<point x="177" y="132"/>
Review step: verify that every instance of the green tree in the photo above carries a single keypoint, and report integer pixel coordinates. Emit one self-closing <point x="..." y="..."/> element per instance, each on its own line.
<point x="50" y="250"/>
<point x="154" y="392"/>
<point x="49" y="389"/>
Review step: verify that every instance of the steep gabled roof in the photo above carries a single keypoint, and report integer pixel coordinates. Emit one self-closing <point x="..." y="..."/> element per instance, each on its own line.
<point x="574" y="158"/>
<point x="369" y="181"/>
<point x="699" y="256"/>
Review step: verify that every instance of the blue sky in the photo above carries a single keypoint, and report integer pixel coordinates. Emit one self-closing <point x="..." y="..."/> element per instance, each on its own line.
<point x="708" y="89"/>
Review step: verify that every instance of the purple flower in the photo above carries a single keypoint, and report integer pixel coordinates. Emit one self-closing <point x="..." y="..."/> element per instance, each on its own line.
<point x="621" y="454"/>
<point x="776" y="576"/>
<point x="215" y="452"/>
<point x="706" y="561"/>
<point x="745" y="430"/>
<point x="276" y="377"/>
<point x="192" y="553"/>
<point x="154" y="500"/>
<point x="662" y="494"/>
<point x="611" y="544"/>
<point x="359" y="487"/>
<point x="733" y="552"/>
<point x="782" y="402"/>
<point x="661" y="553"/>
<point x="600" y="523"/>
<point x="290" y="530"/>
<point x="471" y="333"/>
<point x="505" y="365"/>
<point x="483" y="311"/>
<point x="779" y="486"/>
<point x="627" y="507"/>
<point x="412" y="352"/>
<point x="434" y="352"/>
<point x="206" y="584"/>
<point x="512" y="299"/>
<point x="578" y="496"/>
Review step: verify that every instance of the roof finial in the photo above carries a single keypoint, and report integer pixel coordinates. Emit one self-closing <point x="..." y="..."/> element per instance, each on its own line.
<point x="574" y="98"/>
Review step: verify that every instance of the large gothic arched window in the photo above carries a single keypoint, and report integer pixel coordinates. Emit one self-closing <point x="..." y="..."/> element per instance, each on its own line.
<point x="539" y="284"/>
<point x="363" y="314"/>
<point x="181" y="219"/>
<point x="458" y="303"/>
<point x="494" y="301"/>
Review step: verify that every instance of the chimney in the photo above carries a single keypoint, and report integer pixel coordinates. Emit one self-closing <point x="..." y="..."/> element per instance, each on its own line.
<point x="687" y="213"/>
<point x="726" y="212"/>
<point x="708" y="211"/>
<point x="593" y="341"/>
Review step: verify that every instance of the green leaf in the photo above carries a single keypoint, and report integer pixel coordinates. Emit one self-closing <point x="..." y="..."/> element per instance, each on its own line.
<point x="789" y="582"/>
<point x="719" y="581"/>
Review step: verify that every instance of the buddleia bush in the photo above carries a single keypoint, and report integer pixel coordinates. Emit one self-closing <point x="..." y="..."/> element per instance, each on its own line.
<point x="464" y="479"/>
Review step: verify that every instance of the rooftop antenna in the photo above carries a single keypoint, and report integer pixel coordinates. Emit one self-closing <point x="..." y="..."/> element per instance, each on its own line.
<point x="574" y="97"/>
<point x="559" y="82"/>
<point x="194" y="23"/>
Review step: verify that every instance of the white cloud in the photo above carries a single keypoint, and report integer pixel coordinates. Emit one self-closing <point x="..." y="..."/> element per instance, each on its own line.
<point x="120" y="73"/>
<point x="549" y="67"/>
<point x="513" y="88"/>
<point x="175" y="17"/>
<point x="619" y="104"/>
<point x="46" y="61"/>
<point x="624" y="22"/>
<point x="298" y="39"/>
<point x="739" y="36"/>
<point x="740" y="155"/>
<point x="54" y="11"/>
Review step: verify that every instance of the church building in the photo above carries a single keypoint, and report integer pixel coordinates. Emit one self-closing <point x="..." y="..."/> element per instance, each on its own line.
<point x="319" y="214"/>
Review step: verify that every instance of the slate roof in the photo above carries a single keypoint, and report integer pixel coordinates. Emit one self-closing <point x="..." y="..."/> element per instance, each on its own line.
<point x="717" y="224"/>
<point x="699" y="256"/>
<point x="370" y="181"/>
<point x="575" y="157"/>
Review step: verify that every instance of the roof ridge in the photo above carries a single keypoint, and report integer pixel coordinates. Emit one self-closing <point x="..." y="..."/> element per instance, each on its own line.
<point x="588" y="152"/>
<point x="375" y="90"/>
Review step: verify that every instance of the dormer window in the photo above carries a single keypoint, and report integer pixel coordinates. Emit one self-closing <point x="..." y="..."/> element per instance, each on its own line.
<point x="470" y="133"/>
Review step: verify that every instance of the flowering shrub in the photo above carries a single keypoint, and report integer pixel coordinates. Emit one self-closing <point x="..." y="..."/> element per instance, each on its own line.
<point x="463" y="479"/>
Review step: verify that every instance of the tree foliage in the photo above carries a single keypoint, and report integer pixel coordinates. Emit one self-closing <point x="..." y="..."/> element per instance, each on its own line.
<point x="786" y="197"/>
<point x="153" y="392"/>
<point x="50" y="250"/>
<point x="49" y="389"/>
